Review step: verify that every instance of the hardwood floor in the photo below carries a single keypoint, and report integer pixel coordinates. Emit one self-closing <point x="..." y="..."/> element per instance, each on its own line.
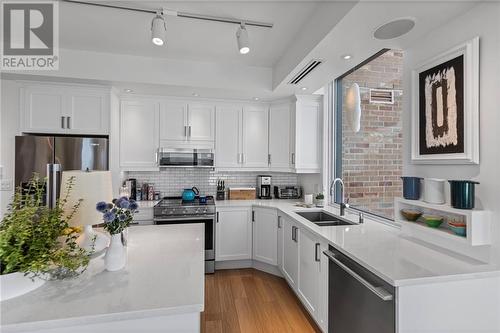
<point x="248" y="300"/>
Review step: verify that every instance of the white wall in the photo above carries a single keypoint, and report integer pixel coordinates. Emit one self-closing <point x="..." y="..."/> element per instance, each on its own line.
<point x="9" y="122"/>
<point x="483" y="21"/>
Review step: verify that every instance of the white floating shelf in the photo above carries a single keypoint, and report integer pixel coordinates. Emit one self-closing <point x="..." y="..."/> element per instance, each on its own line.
<point x="478" y="223"/>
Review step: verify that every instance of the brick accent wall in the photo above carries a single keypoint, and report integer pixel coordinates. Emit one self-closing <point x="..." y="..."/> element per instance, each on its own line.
<point x="372" y="159"/>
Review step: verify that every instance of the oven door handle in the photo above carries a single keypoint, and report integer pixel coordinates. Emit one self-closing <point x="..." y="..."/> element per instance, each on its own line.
<point x="185" y="218"/>
<point x="379" y="291"/>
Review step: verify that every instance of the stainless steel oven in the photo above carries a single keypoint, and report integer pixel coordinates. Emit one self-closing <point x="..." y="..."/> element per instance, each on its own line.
<point x="176" y="211"/>
<point x="358" y="300"/>
<point x="185" y="157"/>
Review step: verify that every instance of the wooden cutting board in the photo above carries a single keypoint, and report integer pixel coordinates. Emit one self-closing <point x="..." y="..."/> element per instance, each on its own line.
<point x="242" y="193"/>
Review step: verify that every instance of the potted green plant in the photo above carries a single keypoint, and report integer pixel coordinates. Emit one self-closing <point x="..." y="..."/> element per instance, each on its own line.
<point x="320" y="200"/>
<point x="37" y="242"/>
<point x="117" y="217"/>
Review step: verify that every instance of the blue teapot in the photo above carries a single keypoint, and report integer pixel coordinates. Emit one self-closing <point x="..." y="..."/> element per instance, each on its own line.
<point x="190" y="193"/>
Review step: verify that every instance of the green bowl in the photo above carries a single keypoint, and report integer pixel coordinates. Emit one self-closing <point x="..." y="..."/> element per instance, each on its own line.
<point x="433" y="221"/>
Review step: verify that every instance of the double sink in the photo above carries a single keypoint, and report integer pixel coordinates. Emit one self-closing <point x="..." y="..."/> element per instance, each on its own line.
<point x="323" y="219"/>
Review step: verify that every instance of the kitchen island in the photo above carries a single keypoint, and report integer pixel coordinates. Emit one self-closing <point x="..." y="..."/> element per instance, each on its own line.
<point x="160" y="289"/>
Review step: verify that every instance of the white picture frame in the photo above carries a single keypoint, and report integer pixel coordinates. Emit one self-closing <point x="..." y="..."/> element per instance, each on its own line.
<point x="470" y="51"/>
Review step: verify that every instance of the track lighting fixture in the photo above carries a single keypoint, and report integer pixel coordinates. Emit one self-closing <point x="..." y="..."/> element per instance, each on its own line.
<point x="242" y="39"/>
<point x="158" y="29"/>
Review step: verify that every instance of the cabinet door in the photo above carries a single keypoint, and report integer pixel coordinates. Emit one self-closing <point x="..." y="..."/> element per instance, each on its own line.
<point x="290" y="252"/>
<point x="309" y="272"/>
<point x="255" y="137"/>
<point x="233" y="234"/>
<point x="173" y="121"/>
<point x="279" y="137"/>
<point x="280" y="242"/>
<point x="43" y="110"/>
<point x="228" y="137"/>
<point x="308" y="136"/>
<point x="265" y="235"/>
<point x="139" y="134"/>
<point x="201" y="122"/>
<point x="88" y="112"/>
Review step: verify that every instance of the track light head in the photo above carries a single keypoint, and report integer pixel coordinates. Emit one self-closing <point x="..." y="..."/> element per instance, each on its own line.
<point x="242" y="39"/>
<point x="158" y="29"/>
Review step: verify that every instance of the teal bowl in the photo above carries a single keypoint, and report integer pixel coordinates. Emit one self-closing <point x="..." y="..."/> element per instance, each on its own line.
<point x="460" y="231"/>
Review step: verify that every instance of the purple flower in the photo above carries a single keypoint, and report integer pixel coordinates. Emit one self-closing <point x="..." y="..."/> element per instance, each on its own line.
<point x="109" y="217"/>
<point x="122" y="217"/>
<point x="123" y="203"/>
<point x="101" y="206"/>
<point x="114" y="210"/>
<point x="133" y="205"/>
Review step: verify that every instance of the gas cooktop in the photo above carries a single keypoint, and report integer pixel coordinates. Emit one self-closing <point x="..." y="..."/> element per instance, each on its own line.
<point x="175" y="206"/>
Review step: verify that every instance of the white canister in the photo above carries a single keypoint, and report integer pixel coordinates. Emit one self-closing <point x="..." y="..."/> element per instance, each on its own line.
<point x="308" y="199"/>
<point x="434" y="190"/>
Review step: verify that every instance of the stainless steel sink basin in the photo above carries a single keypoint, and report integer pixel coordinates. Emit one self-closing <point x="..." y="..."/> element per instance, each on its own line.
<point x="323" y="219"/>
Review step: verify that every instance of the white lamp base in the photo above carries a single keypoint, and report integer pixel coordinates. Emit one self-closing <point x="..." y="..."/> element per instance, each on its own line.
<point x="86" y="240"/>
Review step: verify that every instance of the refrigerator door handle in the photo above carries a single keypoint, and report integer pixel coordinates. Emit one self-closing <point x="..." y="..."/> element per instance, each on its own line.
<point x="53" y="184"/>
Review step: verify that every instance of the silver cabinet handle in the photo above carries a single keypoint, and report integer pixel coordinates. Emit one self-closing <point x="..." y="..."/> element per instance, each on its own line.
<point x="253" y="215"/>
<point x="279" y="222"/>
<point x="269" y="159"/>
<point x="293" y="158"/>
<point x="68" y="122"/>
<point x="62" y="122"/>
<point x="217" y="217"/>
<point x="379" y="291"/>
<point x="293" y="233"/>
<point x="156" y="155"/>
<point x="185" y="131"/>
<point x="316" y="252"/>
<point x="189" y="130"/>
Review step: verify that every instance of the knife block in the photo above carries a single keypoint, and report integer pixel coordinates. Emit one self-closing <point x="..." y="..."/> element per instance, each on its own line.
<point x="221" y="195"/>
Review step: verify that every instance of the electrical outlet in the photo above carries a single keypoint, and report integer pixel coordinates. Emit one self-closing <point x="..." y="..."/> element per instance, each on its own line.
<point x="6" y="185"/>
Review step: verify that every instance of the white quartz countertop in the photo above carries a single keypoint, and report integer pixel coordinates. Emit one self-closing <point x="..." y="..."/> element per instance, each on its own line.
<point x="383" y="249"/>
<point x="147" y="203"/>
<point x="164" y="275"/>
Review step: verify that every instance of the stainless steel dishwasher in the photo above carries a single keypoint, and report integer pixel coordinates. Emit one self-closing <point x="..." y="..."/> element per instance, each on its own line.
<point x="358" y="300"/>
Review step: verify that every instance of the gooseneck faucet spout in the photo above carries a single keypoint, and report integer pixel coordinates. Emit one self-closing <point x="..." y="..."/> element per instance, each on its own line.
<point x="343" y="204"/>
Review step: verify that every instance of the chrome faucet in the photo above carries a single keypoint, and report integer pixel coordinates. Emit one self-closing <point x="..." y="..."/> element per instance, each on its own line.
<point x="343" y="204"/>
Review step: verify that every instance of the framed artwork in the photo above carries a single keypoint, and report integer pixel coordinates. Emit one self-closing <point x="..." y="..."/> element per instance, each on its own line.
<point x="445" y="107"/>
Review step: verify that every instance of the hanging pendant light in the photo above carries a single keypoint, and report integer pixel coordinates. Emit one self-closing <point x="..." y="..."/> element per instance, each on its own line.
<point x="158" y="29"/>
<point x="242" y="38"/>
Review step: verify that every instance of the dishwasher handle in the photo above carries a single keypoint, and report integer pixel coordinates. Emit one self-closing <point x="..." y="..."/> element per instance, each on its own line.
<point x="379" y="291"/>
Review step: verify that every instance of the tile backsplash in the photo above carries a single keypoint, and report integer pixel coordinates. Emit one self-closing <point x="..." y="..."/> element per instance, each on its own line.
<point x="171" y="182"/>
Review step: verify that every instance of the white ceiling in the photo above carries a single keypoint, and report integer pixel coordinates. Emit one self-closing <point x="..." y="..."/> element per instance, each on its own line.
<point x="110" y="30"/>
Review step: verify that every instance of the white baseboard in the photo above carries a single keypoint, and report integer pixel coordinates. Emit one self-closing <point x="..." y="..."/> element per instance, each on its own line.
<point x="238" y="264"/>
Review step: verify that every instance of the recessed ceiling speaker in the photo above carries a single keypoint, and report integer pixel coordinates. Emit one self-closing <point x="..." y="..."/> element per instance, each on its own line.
<point x="394" y="29"/>
<point x="242" y="38"/>
<point x="158" y="30"/>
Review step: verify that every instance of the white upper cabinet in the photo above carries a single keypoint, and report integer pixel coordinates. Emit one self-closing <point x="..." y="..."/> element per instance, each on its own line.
<point x="242" y="137"/>
<point x="139" y="134"/>
<point x="307" y="129"/>
<point x="234" y="234"/>
<point x="201" y="122"/>
<point x="184" y="122"/>
<point x="279" y="137"/>
<point x="228" y="136"/>
<point x="88" y="112"/>
<point x="255" y="137"/>
<point x="265" y="235"/>
<point x="55" y="109"/>
<point x="173" y="121"/>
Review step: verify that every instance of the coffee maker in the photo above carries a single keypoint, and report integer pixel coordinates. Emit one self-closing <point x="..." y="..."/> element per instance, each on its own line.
<point x="264" y="187"/>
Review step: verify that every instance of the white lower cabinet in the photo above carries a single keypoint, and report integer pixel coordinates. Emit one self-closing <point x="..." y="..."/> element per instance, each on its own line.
<point x="265" y="235"/>
<point x="290" y="260"/>
<point x="233" y="237"/>
<point x="310" y="287"/>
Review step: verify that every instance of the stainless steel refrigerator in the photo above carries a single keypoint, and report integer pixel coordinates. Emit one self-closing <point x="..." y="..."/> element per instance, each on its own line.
<point x="48" y="156"/>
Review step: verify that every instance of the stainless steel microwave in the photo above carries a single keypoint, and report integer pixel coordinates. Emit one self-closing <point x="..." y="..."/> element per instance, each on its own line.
<point x="185" y="157"/>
